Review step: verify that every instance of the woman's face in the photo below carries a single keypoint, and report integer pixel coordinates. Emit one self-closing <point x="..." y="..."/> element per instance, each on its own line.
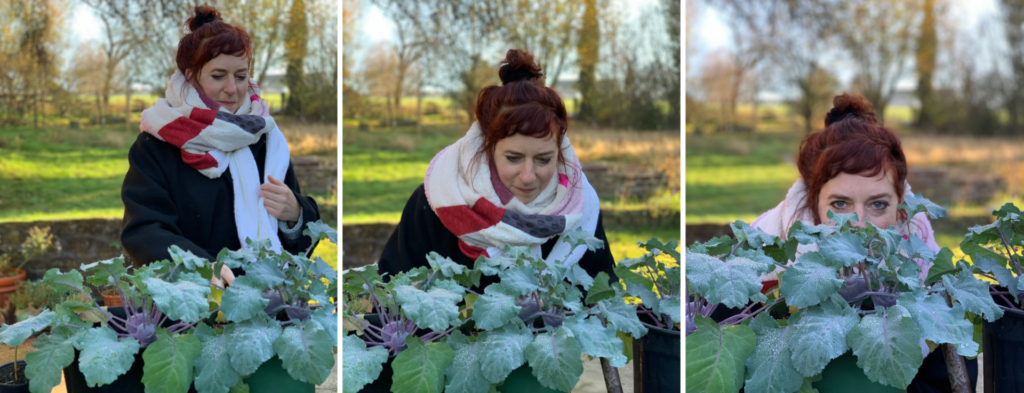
<point x="872" y="198"/>
<point x="225" y="79"/>
<point x="526" y="164"/>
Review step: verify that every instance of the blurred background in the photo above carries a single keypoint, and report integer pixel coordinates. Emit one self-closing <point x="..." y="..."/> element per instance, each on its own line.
<point x="76" y="75"/>
<point x="412" y="70"/>
<point x="945" y="75"/>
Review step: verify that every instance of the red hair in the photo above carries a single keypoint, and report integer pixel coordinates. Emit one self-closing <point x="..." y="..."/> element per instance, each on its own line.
<point x="522" y="105"/>
<point x="209" y="36"/>
<point x="852" y="142"/>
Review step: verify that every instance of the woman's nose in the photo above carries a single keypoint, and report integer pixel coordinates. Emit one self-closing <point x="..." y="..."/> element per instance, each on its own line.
<point x="527" y="175"/>
<point x="230" y="87"/>
<point x="862" y="220"/>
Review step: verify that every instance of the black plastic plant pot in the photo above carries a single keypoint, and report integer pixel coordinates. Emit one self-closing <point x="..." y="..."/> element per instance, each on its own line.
<point x="130" y="382"/>
<point x="1003" y="352"/>
<point x="21" y="387"/>
<point x="271" y="377"/>
<point x="656" y="361"/>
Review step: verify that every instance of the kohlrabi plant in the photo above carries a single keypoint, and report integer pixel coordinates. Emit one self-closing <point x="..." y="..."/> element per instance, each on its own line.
<point x="187" y="329"/>
<point x="859" y="288"/>
<point x="445" y="336"/>
<point x="653" y="282"/>
<point x="995" y="250"/>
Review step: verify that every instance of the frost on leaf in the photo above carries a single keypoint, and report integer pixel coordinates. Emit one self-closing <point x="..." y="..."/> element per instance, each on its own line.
<point x="1002" y="274"/>
<point x="731" y="283"/>
<point x="810" y="280"/>
<point x="183" y="300"/>
<point x="359" y="365"/>
<point x="841" y="219"/>
<point x="186" y="258"/>
<point x="715" y="356"/>
<point x="463" y="375"/>
<point x="320" y="231"/>
<point x="915" y="203"/>
<point x="45" y="364"/>
<point x="972" y="293"/>
<point x="770" y="365"/>
<point x="847" y="248"/>
<point x="168" y="361"/>
<point x="445" y="266"/>
<point x="819" y="335"/>
<point x="754" y="237"/>
<point x="578" y="237"/>
<point x="504" y="349"/>
<point x="103" y="357"/>
<point x="596" y="339"/>
<point x="887" y="346"/>
<point x="242" y="300"/>
<point x="555" y="359"/>
<point x="14" y="335"/>
<point x="940" y="323"/>
<point x="306" y="351"/>
<point x="622" y="316"/>
<point x="251" y="343"/>
<point x="435" y="309"/>
<point x="522" y="279"/>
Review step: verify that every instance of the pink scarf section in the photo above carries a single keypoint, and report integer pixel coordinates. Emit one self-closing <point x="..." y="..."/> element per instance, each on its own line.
<point x="779" y="219"/>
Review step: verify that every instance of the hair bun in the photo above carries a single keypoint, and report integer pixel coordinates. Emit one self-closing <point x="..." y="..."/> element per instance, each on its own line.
<point x="204" y="14"/>
<point x="519" y="65"/>
<point x="850" y="105"/>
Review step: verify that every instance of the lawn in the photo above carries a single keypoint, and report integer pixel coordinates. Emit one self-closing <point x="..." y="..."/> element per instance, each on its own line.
<point x="382" y="168"/>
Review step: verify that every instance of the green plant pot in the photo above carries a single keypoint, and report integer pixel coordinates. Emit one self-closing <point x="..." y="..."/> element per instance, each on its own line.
<point x="271" y="377"/>
<point x="842" y="375"/>
<point x="522" y="380"/>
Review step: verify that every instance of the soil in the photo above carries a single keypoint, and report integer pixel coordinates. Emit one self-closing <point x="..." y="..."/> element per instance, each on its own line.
<point x="7" y="353"/>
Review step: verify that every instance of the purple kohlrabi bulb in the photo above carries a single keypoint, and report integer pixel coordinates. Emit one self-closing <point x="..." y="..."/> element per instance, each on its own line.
<point x="137" y="327"/>
<point x="690" y="325"/>
<point x="853" y="289"/>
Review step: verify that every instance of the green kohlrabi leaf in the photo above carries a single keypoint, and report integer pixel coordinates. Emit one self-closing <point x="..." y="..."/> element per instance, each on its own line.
<point x="63" y="282"/>
<point x="306" y="351"/>
<point x="251" y="343"/>
<point x="810" y="280"/>
<point x="106" y="272"/>
<point x="888" y="346"/>
<point x="360" y="279"/>
<point x="810" y="234"/>
<point x="671" y="306"/>
<point x="667" y="248"/>
<point x="943" y="264"/>
<point x="183" y="300"/>
<point x="915" y="203"/>
<point x="845" y="247"/>
<point x="647" y="296"/>
<point x="319" y="231"/>
<point x="359" y="365"/>
<point x="45" y="364"/>
<point x="491" y="266"/>
<point x="578" y="276"/>
<point x="265" y="273"/>
<point x="464" y="375"/>
<point x="14" y="335"/>
<point x="242" y="300"/>
<point x="600" y="290"/>
<point x="420" y="367"/>
<point x="578" y="237"/>
<point x="213" y="367"/>
<point x="770" y="365"/>
<point x="522" y="279"/>
<point x="435" y="309"/>
<point x="715" y="356"/>
<point x="972" y="293"/>
<point x="596" y="339"/>
<point x="622" y="316"/>
<point x="755" y="238"/>
<point x="445" y="266"/>
<point x="940" y="323"/>
<point x="327" y="321"/>
<point x="236" y="259"/>
<point x="819" y="335"/>
<point x="731" y="283"/>
<point x="496" y="307"/>
<point x="103" y="357"/>
<point x="186" y="258"/>
<point x="841" y="219"/>
<point x="1002" y="274"/>
<point x="503" y="350"/>
<point x="555" y="359"/>
<point x="167" y="363"/>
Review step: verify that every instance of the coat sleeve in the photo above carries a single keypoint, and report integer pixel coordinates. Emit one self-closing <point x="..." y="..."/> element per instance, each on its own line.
<point x="601" y="260"/>
<point x="418" y="233"/>
<point x="150" y="220"/>
<point x="310" y="213"/>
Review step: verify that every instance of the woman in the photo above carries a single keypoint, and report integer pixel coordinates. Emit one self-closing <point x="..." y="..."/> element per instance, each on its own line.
<point x="857" y="166"/>
<point x="513" y="179"/>
<point x="211" y="168"/>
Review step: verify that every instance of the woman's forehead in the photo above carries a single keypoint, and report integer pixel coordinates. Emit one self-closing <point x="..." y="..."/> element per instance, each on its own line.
<point x="859" y="186"/>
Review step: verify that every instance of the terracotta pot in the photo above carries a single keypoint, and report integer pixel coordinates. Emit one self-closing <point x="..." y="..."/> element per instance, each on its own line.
<point x="111" y="298"/>
<point x="9" y="284"/>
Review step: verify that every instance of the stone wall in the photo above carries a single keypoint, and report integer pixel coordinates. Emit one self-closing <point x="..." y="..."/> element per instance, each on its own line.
<point x="316" y="174"/>
<point x="944" y="185"/>
<point x="612" y="180"/>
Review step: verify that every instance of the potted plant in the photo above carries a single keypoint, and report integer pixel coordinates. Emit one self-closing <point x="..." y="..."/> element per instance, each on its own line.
<point x="861" y="292"/>
<point x="529" y="329"/>
<point x="13" y="259"/>
<point x="168" y="338"/>
<point x="650" y="279"/>
<point x="31" y="298"/>
<point x="994" y="250"/>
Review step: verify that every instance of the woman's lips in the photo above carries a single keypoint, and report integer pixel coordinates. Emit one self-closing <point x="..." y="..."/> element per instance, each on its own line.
<point x="525" y="190"/>
<point x="226" y="103"/>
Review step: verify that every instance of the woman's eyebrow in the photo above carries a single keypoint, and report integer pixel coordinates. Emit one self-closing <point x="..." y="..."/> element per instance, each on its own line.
<point x="837" y="196"/>
<point x="882" y="195"/>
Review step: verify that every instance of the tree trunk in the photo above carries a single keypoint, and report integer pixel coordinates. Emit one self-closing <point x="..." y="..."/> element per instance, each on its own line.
<point x="128" y="105"/>
<point x="419" y="109"/>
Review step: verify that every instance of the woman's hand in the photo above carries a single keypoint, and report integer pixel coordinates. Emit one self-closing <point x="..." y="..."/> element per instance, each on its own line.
<point x="280" y="201"/>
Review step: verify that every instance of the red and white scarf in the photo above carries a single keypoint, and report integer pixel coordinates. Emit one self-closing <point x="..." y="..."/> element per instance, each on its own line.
<point x="213" y="140"/>
<point x="471" y="201"/>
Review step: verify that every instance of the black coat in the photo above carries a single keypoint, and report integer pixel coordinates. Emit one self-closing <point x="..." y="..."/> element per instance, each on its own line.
<point x="168" y="202"/>
<point x="420" y="231"/>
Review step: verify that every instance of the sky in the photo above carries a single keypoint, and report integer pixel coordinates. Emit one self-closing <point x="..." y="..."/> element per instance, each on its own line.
<point x="710" y="32"/>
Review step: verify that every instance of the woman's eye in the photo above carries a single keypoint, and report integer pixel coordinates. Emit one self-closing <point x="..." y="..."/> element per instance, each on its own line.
<point x="839" y="204"/>
<point x="218" y="77"/>
<point x="544" y="161"/>
<point x="880" y="205"/>
<point x="241" y="78"/>
<point x="512" y="159"/>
